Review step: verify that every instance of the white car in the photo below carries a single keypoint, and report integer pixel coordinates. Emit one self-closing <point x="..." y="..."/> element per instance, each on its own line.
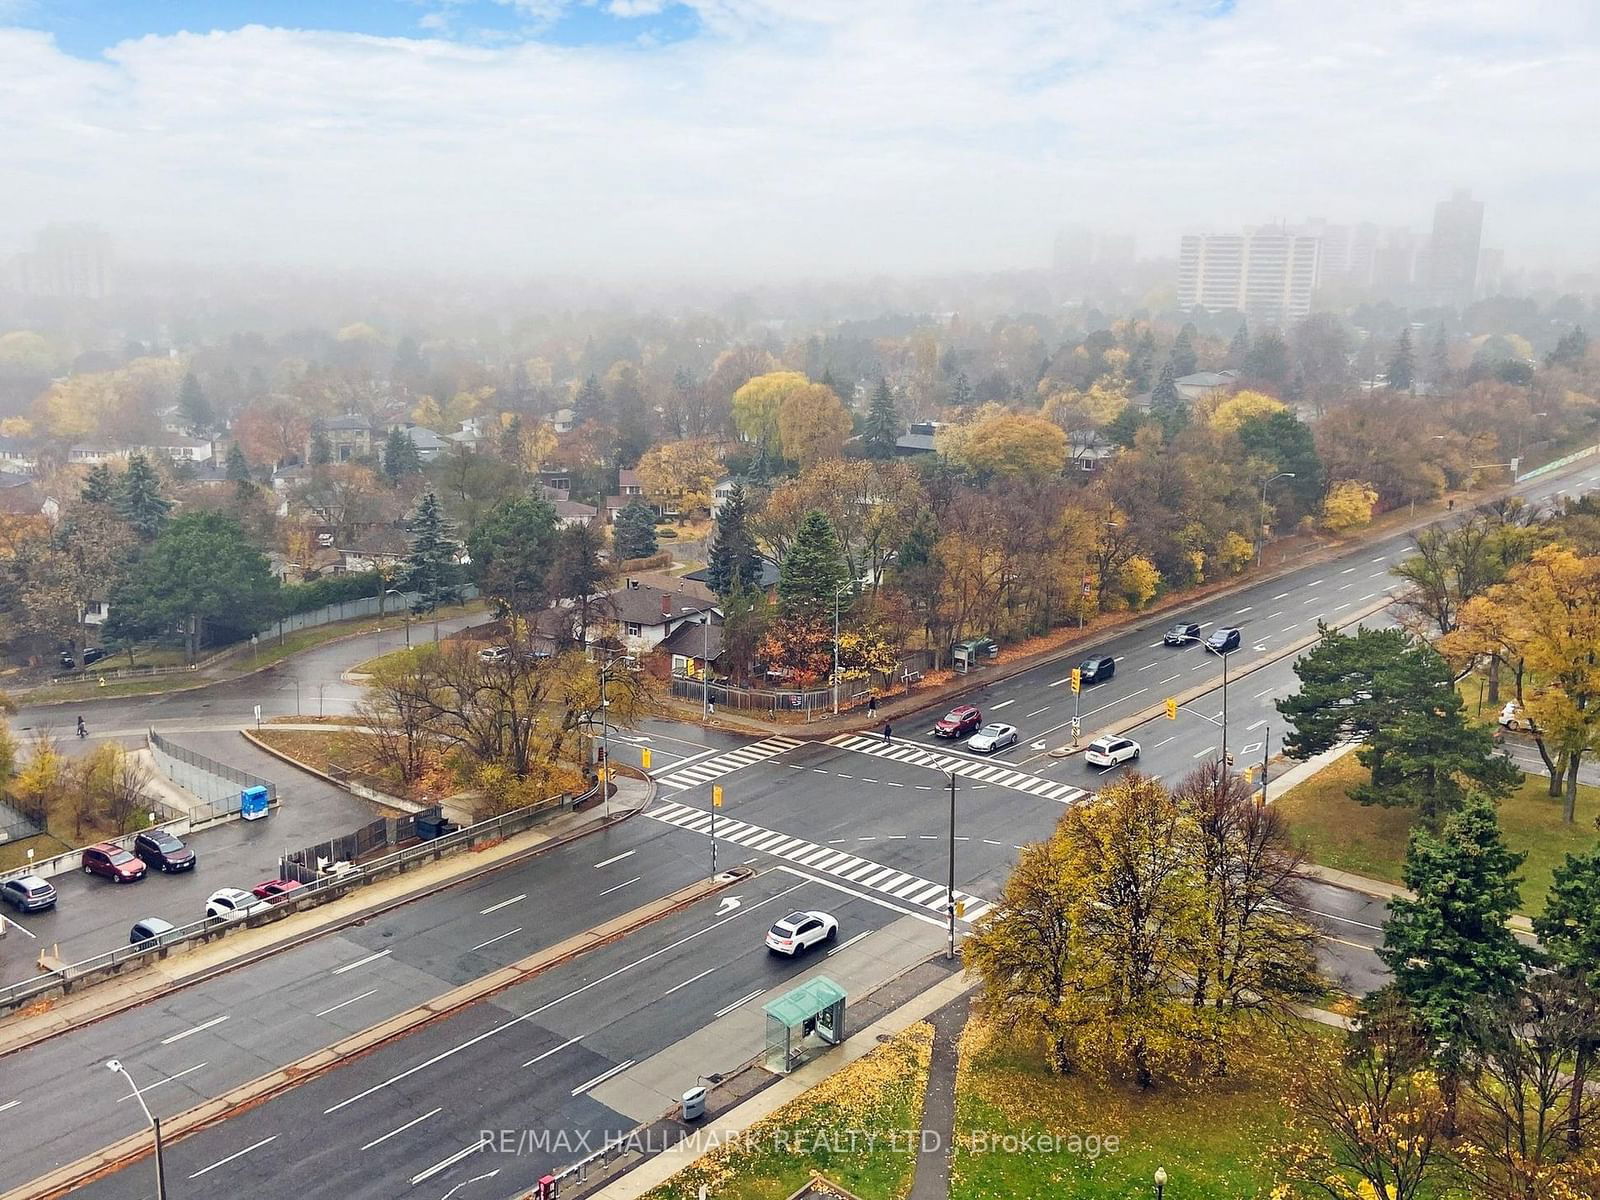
<point x="1111" y="751"/>
<point x="801" y="931"/>
<point x="232" y="904"/>
<point x="993" y="736"/>
<point x="494" y="654"/>
<point x="1513" y="718"/>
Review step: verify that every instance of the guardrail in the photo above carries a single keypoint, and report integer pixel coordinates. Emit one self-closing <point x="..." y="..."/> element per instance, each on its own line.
<point x="322" y="889"/>
<point x="1557" y="464"/>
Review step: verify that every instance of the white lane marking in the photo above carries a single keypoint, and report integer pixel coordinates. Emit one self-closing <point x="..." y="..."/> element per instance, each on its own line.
<point x="1168" y="679"/>
<point x="1316" y="583"/>
<point x="178" y="1037"/>
<point x="558" y="1049"/>
<point x="465" y="1182"/>
<point x="1059" y="682"/>
<point x="891" y="783"/>
<point x="992" y="842"/>
<point x="1257" y="725"/>
<point x="1346" y="920"/>
<point x="1244" y="610"/>
<point x="346" y="1003"/>
<point x="1046" y="708"/>
<point x="361" y="962"/>
<point x="1384" y="559"/>
<point x="842" y="945"/>
<point x="1367" y="597"/>
<point x="1269" y="616"/>
<point x="1155" y="646"/>
<point x="414" y="1121"/>
<point x="1258" y="696"/>
<point x="680" y="986"/>
<point x="14" y="1103"/>
<point x="1002" y="704"/>
<point x="4" y="921"/>
<point x="726" y="1009"/>
<point x="499" y="937"/>
<point x="683" y="762"/>
<point x="528" y="1016"/>
<point x="221" y="1162"/>
<point x="605" y="1075"/>
<point x="1341" y="607"/>
<point x="1200" y="667"/>
<point x="620" y="886"/>
<point x="1377" y="575"/>
<point x="615" y="859"/>
<point x="148" y="1087"/>
<point x="448" y="1163"/>
<point x="1347" y="570"/>
<point x="1163" y="742"/>
<point x="484" y="912"/>
<point x="1146" y="667"/>
<point x="1280" y="595"/>
<point x="1206" y="751"/>
<point x="1288" y="629"/>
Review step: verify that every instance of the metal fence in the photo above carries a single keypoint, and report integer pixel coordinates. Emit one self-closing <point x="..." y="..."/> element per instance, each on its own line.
<point x="15" y="824"/>
<point x="350" y="610"/>
<point x="806" y="704"/>
<point x="214" y="782"/>
<point x="318" y="889"/>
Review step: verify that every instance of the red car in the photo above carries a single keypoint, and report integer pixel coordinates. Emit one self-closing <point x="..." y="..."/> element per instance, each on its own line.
<point x="113" y="862"/>
<point x="276" y="889"/>
<point x="959" y="722"/>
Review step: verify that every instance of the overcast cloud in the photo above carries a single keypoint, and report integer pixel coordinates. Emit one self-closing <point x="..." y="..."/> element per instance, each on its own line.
<point x="811" y="136"/>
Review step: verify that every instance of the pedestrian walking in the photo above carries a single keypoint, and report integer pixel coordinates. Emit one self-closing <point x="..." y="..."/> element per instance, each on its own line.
<point x="872" y="705"/>
<point x="886" y="731"/>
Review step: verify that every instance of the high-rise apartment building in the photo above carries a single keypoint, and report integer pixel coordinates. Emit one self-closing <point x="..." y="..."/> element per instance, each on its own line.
<point x="67" y="262"/>
<point x="1453" y="249"/>
<point x="1268" y="272"/>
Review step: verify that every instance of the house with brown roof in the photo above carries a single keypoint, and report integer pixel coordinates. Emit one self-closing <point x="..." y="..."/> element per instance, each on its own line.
<point x="642" y="617"/>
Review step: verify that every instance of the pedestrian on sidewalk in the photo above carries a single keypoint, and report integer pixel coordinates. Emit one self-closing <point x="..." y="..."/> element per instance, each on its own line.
<point x="886" y="731"/>
<point x="872" y="705"/>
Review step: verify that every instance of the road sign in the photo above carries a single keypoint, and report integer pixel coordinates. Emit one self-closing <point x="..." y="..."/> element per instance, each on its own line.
<point x="644" y="758"/>
<point x="716" y="795"/>
<point x="1076" y="728"/>
<point x="1172" y="709"/>
<point x="1077" y="679"/>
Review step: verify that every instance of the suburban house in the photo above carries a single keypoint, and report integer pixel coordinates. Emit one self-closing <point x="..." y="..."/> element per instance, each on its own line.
<point x="349" y="436"/>
<point x="175" y="447"/>
<point x="15" y="458"/>
<point x="1202" y="383"/>
<point x="644" y="616"/>
<point x="918" y="438"/>
<point x="1090" y="450"/>
<point x="693" y="648"/>
<point x="470" y="434"/>
<point x="768" y="580"/>
<point x="573" y="512"/>
<point x="373" y="549"/>
<point x="428" y="443"/>
<point x="560" y="421"/>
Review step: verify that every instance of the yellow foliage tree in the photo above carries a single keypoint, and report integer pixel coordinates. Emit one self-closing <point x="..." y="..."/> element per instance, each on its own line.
<point x="812" y="424"/>
<point x="757" y="403"/>
<point x="1139" y="580"/>
<point x="684" y="471"/>
<point x="1348" y="506"/>
<point x="1015" y="445"/>
<point x="1095" y="408"/>
<point x="1235" y="553"/>
<point x="1226" y="413"/>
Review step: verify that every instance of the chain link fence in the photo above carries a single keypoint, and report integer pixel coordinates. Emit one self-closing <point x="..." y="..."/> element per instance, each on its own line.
<point x="216" y="783"/>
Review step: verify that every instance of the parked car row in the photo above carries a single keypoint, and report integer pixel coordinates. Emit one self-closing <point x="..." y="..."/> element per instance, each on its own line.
<point x="1221" y="641"/>
<point x="227" y="904"/>
<point x="90" y="655"/>
<point x="153" y="848"/>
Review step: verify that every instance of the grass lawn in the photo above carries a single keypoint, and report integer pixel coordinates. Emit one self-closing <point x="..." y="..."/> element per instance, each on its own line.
<point x="879" y="1094"/>
<point x="1215" y="1139"/>
<point x="320" y="750"/>
<point x="15" y="854"/>
<point x="1337" y="832"/>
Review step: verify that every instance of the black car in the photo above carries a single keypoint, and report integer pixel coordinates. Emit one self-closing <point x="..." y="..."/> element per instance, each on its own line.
<point x="1223" y="640"/>
<point x="163" y="851"/>
<point x="92" y="654"/>
<point x="1098" y="669"/>
<point x="1182" y="634"/>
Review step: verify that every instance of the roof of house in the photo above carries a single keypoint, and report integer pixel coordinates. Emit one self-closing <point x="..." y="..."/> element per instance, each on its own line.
<point x="348" y="422"/>
<point x="1208" y="379"/>
<point x="378" y="543"/>
<point x="423" y="438"/>
<point x="628" y="477"/>
<point x="635" y="603"/>
<point x="694" y="640"/>
<point x="11" y="445"/>
<point x="572" y="509"/>
<point x="769" y="574"/>
<point x="917" y="442"/>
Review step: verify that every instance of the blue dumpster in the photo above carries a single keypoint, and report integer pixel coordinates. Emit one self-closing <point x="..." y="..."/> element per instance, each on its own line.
<point x="253" y="803"/>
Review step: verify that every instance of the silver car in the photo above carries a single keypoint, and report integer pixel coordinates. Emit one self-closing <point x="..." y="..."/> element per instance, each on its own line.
<point x="28" y="893"/>
<point x="993" y="736"/>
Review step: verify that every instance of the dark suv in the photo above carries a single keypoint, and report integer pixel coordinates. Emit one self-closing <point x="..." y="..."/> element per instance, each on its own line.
<point x="1222" y="641"/>
<point x="1098" y="669"/>
<point x="163" y="851"/>
<point x="1182" y="634"/>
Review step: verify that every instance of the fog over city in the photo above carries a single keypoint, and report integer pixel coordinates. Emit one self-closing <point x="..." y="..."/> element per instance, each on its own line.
<point x="736" y="139"/>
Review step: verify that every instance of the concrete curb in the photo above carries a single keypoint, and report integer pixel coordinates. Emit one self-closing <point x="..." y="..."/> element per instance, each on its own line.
<point x="131" y="1149"/>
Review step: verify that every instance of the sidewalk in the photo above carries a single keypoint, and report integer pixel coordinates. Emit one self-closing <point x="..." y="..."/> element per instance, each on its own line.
<point x="932" y="1178"/>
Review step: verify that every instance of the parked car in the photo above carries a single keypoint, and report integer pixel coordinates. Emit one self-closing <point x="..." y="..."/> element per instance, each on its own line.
<point x="152" y="931"/>
<point x="28" y="893"/>
<point x="324" y="540"/>
<point x="164" y="851"/>
<point x="92" y="654"/>
<point x="276" y="889"/>
<point x="67" y="661"/>
<point x="1182" y="634"/>
<point x="1097" y="669"/>
<point x="494" y="654"/>
<point x="800" y="931"/>
<point x="1111" y="752"/>
<point x="232" y="904"/>
<point x="113" y="862"/>
<point x="959" y="722"/>
<point x="993" y="736"/>
<point x="1223" y="640"/>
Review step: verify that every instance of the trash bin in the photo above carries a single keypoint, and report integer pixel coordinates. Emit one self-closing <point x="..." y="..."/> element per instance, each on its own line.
<point x="694" y="1104"/>
<point x="429" y="826"/>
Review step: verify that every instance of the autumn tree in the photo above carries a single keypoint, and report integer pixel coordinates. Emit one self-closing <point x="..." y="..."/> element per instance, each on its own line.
<point x="870" y="506"/>
<point x="1228" y="413"/>
<point x="577" y="575"/>
<point x="341" y="495"/>
<point x="812" y="424"/>
<point x="1455" y="563"/>
<point x="1013" y="445"/>
<point x="686" y="472"/>
<point x="1348" y="506"/>
<point x="272" y="431"/>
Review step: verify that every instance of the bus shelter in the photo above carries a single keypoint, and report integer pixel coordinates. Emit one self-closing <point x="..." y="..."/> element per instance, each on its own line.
<point x="803" y="1021"/>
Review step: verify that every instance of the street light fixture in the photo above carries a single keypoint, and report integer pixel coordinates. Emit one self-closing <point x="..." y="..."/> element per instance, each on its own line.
<point x="115" y="1065"/>
<point x="1261" y="513"/>
<point x="407" y="608"/>
<point x="1161" y="1181"/>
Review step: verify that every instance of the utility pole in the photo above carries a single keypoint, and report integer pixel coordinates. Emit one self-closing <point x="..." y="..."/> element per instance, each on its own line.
<point x="605" y="748"/>
<point x="1266" y="753"/>
<point x="705" y="673"/>
<point x="837" y="593"/>
<point x="950" y="886"/>
<point x="1224" y="709"/>
<point x="116" y="1066"/>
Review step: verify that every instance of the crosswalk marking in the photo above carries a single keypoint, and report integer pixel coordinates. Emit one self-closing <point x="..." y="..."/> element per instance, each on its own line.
<point x="715" y="768"/>
<point x="861" y="872"/>
<point x="999" y="775"/>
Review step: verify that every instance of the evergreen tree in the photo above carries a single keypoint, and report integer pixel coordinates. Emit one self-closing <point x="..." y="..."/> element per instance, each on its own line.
<point x="400" y="457"/>
<point x="1240" y="346"/>
<point x="1439" y="360"/>
<point x="1449" y="948"/>
<point x="1569" y="933"/>
<point x="321" y="448"/>
<point x="510" y="446"/>
<point x="138" y="499"/>
<point x="1184" y="359"/>
<point x="590" y="402"/>
<point x="812" y="572"/>
<point x="432" y="570"/>
<point x="735" y="561"/>
<point x="193" y="405"/>
<point x="1165" y="394"/>
<point x="98" y="486"/>
<point x="1570" y="351"/>
<point x="633" y="534"/>
<point x="238" y="466"/>
<point x="1268" y="359"/>
<point x="882" y="428"/>
<point x="1403" y="364"/>
<point x="1124" y="428"/>
<point x="961" y="393"/>
<point x="512" y="551"/>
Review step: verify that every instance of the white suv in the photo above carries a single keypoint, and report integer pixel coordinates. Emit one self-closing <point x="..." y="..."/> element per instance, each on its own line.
<point x="1111" y="751"/>
<point x="800" y="931"/>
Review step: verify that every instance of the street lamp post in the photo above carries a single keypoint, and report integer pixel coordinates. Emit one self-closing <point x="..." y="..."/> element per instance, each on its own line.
<point x="837" y="593"/>
<point x="407" y="608"/>
<point x="950" y="886"/>
<point x="1161" y="1181"/>
<point x="1261" y="514"/>
<point x="1224" y="708"/>
<point x="115" y="1066"/>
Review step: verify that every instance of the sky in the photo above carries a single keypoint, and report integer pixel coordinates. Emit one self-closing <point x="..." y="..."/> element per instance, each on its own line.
<point x="745" y="139"/>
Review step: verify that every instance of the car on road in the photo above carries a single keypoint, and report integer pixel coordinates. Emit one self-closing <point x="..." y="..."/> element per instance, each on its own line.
<point x="494" y="654"/>
<point x="164" y="851"/>
<point x="1223" y="640"/>
<point x="1111" y="752"/>
<point x="958" y="722"/>
<point x="993" y="736"/>
<point x="111" y="861"/>
<point x="1182" y="634"/>
<point x="1097" y="669"/>
<point x="152" y="931"/>
<point x="1514" y="717"/>
<point x="276" y="889"/>
<point x="67" y="661"/>
<point x="92" y="654"/>
<point x="800" y="931"/>
<point x="28" y="893"/>
<point x="232" y="904"/>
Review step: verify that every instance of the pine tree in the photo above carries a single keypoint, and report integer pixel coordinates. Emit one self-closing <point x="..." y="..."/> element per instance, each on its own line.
<point x="1268" y="359"/>
<point x="1165" y="394"/>
<point x="238" y="466"/>
<point x="510" y="446"/>
<point x="1569" y="932"/>
<point x="882" y="428"/>
<point x="1571" y="349"/>
<point x="193" y="405"/>
<point x="961" y="393"/>
<point x="138" y="499"/>
<point x="812" y="572"/>
<point x="1403" y="364"/>
<point x="735" y="562"/>
<point x="98" y="486"/>
<point x="633" y="534"/>
<point x="432" y="570"/>
<point x="1439" y="360"/>
<point x="1184" y="359"/>
<point x="1449" y="949"/>
<point x="590" y="402"/>
<point x="321" y="448"/>
<point x="1240" y="346"/>
<point x="400" y="457"/>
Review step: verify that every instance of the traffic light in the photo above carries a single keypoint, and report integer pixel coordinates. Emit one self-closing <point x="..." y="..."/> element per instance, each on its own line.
<point x="716" y="795"/>
<point x="1230" y="758"/>
<point x="1172" y="709"/>
<point x="1249" y="774"/>
<point x="644" y="758"/>
<point x="1077" y="679"/>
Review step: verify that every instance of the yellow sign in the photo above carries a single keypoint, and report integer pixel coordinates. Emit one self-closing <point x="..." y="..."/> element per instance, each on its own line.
<point x="1172" y="710"/>
<point x="716" y="795"/>
<point x="1077" y="679"/>
<point x="644" y="758"/>
<point x="961" y="908"/>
